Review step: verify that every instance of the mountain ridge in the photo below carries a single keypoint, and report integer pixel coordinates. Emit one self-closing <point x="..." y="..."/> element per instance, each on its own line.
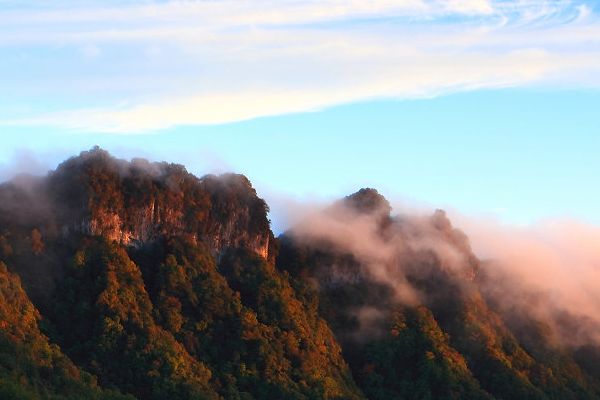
<point x="152" y="283"/>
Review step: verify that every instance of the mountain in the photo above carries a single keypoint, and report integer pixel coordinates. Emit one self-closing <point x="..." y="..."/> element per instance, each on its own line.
<point x="125" y="280"/>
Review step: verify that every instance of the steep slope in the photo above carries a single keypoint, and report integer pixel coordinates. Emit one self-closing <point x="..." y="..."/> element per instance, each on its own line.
<point x="163" y="285"/>
<point x="402" y="297"/>
<point x="243" y="318"/>
<point x="30" y="366"/>
<point x="105" y="320"/>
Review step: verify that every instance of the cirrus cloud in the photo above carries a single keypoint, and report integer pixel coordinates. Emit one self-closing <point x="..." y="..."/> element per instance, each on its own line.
<point x="159" y="65"/>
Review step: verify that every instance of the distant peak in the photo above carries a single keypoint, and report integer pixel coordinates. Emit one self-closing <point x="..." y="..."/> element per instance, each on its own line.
<point x="368" y="200"/>
<point x="96" y="156"/>
<point x="441" y="221"/>
<point x="233" y="179"/>
<point x="95" y="152"/>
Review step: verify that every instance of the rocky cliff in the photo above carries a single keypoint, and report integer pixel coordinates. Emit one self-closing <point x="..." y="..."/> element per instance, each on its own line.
<point x="138" y="202"/>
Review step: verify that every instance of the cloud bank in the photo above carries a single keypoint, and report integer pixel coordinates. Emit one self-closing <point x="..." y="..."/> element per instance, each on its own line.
<point x="547" y="272"/>
<point x="24" y="162"/>
<point x="389" y="251"/>
<point x="130" y="68"/>
<point x="550" y="269"/>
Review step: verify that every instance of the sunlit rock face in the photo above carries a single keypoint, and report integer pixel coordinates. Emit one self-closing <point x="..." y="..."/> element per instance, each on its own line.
<point x="137" y="202"/>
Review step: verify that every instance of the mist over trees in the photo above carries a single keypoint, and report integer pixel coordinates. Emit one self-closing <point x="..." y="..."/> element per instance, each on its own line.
<point x="124" y="280"/>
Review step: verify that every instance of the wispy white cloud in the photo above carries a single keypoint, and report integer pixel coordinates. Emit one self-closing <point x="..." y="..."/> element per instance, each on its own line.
<point x="544" y="270"/>
<point x="158" y="65"/>
<point x="227" y="13"/>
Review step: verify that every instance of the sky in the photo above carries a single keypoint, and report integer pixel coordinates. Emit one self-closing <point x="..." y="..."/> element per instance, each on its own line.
<point x="481" y="106"/>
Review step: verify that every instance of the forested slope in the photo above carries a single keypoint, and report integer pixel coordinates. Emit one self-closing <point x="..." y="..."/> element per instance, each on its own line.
<point x="122" y="280"/>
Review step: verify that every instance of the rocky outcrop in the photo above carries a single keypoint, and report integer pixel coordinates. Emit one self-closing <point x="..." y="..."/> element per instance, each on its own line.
<point x="137" y="202"/>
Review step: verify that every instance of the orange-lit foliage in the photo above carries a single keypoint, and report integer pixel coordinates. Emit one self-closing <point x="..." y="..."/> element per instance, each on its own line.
<point x="112" y="331"/>
<point x="30" y="366"/>
<point x="243" y="319"/>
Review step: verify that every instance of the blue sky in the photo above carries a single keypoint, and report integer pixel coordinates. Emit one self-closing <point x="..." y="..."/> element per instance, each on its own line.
<point x="482" y="106"/>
